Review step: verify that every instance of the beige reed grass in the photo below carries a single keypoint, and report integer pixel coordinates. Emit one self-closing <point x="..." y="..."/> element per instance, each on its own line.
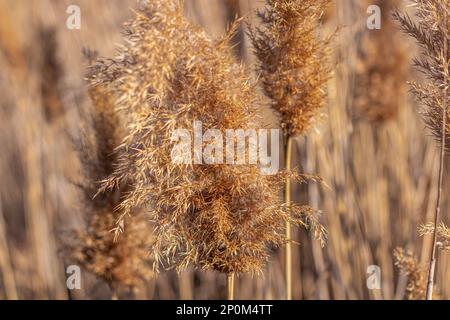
<point x="432" y="35"/>
<point x="294" y="69"/>
<point x="407" y="263"/>
<point x="214" y="217"/>
<point x="376" y="201"/>
<point x="124" y="263"/>
<point x="381" y="67"/>
<point x="230" y="286"/>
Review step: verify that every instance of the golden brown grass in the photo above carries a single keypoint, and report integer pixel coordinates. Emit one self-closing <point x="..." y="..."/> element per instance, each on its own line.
<point x="432" y="34"/>
<point x="381" y="177"/>
<point x="442" y="232"/>
<point x="293" y="63"/>
<point x="380" y="78"/>
<point x="417" y="275"/>
<point x="124" y="263"/>
<point x="220" y="217"/>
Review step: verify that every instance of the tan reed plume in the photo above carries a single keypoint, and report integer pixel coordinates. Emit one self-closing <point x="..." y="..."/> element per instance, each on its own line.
<point x="294" y="69"/>
<point x="124" y="263"/>
<point x="442" y="232"/>
<point x="407" y="263"/>
<point x="51" y="72"/>
<point x="381" y="67"/>
<point x="432" y="34"/>
<point x="169" y="74"/>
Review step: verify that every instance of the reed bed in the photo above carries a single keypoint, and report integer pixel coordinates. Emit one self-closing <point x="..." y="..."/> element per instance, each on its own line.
<point x="73" y="122"/>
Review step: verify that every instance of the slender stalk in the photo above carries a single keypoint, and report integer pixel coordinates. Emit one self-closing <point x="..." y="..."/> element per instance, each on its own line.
<point x="432" y="266"/>
<point x="185" y="286"/>
<point x="287" y="200"/>
<point x="114" y="295"/>
<point x="230" y="280"/>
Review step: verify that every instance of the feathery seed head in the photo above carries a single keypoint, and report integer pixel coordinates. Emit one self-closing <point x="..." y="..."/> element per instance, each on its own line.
<point x="417" y="276"/>
<point x="126" y="263"/>
<point x="381" y="68"/>
<point x="443" y="234"/>
<point x="166" y="76"/>
<point x="432" y="34"/>
<point x="294" y="61"/>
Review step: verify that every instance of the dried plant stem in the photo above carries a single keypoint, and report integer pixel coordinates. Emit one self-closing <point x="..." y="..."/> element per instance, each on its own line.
<point x="185" y="286"/>
<point x="432" y="266"/>
<point x="230" y="280"/>
<point x="287" y="200"/>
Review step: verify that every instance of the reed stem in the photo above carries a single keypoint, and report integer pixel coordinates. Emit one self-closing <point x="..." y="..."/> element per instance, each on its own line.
<point x="432" y="266"/>
<point x="287" y="200"/>
<point x="230" y="280"/>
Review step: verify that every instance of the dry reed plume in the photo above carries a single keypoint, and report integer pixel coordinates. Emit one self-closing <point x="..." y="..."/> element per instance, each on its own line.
<point x="381" y="173"/>
<point x="381" y="67"/>
<point x="294" y="61"/>
<point x="294" y="68"/>
<point x="169" y="73"/>
<point x="417" y="275"/>
<point x="124" y="263"/>
<point x="443" y="234"/>
<point x="432" y="34"/>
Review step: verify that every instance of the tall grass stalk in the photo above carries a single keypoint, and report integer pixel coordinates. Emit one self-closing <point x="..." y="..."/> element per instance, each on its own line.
<point x="287" y="200"/>
<point x="213" y="217"/>
<point x="294" y="69"/>
<point x="432" y="266"/>
<point x="230" y="286"/>
<point x="431" y="33"/>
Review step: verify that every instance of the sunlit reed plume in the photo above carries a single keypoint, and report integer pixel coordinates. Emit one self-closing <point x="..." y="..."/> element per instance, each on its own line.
<point x="443" y="234"/>
<point x="381" y="67"/>
<point x="167" y="75"/>
<point x="124" y="263"/>
<point x="432" y="34"/>
<point x="408" y="265"/>
<point x="294" y="68"/>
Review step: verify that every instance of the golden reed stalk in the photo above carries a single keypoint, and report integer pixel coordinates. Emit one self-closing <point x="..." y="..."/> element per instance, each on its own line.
<point x="287" y="200"/>
<point x="230" y="285"/>
<point x="432" y="266"/>
<point x="429" y="32"/>
<point x="213" y="217"/>
<point x="294" y="69"/>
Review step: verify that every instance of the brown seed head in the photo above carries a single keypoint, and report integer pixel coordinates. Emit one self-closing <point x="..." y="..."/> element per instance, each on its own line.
<point x="381" y="67"/>
<point x="443" y="234"/>
<point x="168" y="75"/>
<point x="293" y="60"/>
<point x="125" y="263"/>
<point x="432" y="34"/>
<point x="417" y="275"/>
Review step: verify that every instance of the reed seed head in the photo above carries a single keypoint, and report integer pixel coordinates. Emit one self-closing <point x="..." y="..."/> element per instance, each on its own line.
<point x="443" y="234"/>
<point x="294" y="61"/>
<point x="381" y="67"/>
<point x="432" y="34"/>
<point x="417" y="275"/>
<point x="169" y="74"/>
<point x="123" y="263"/>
